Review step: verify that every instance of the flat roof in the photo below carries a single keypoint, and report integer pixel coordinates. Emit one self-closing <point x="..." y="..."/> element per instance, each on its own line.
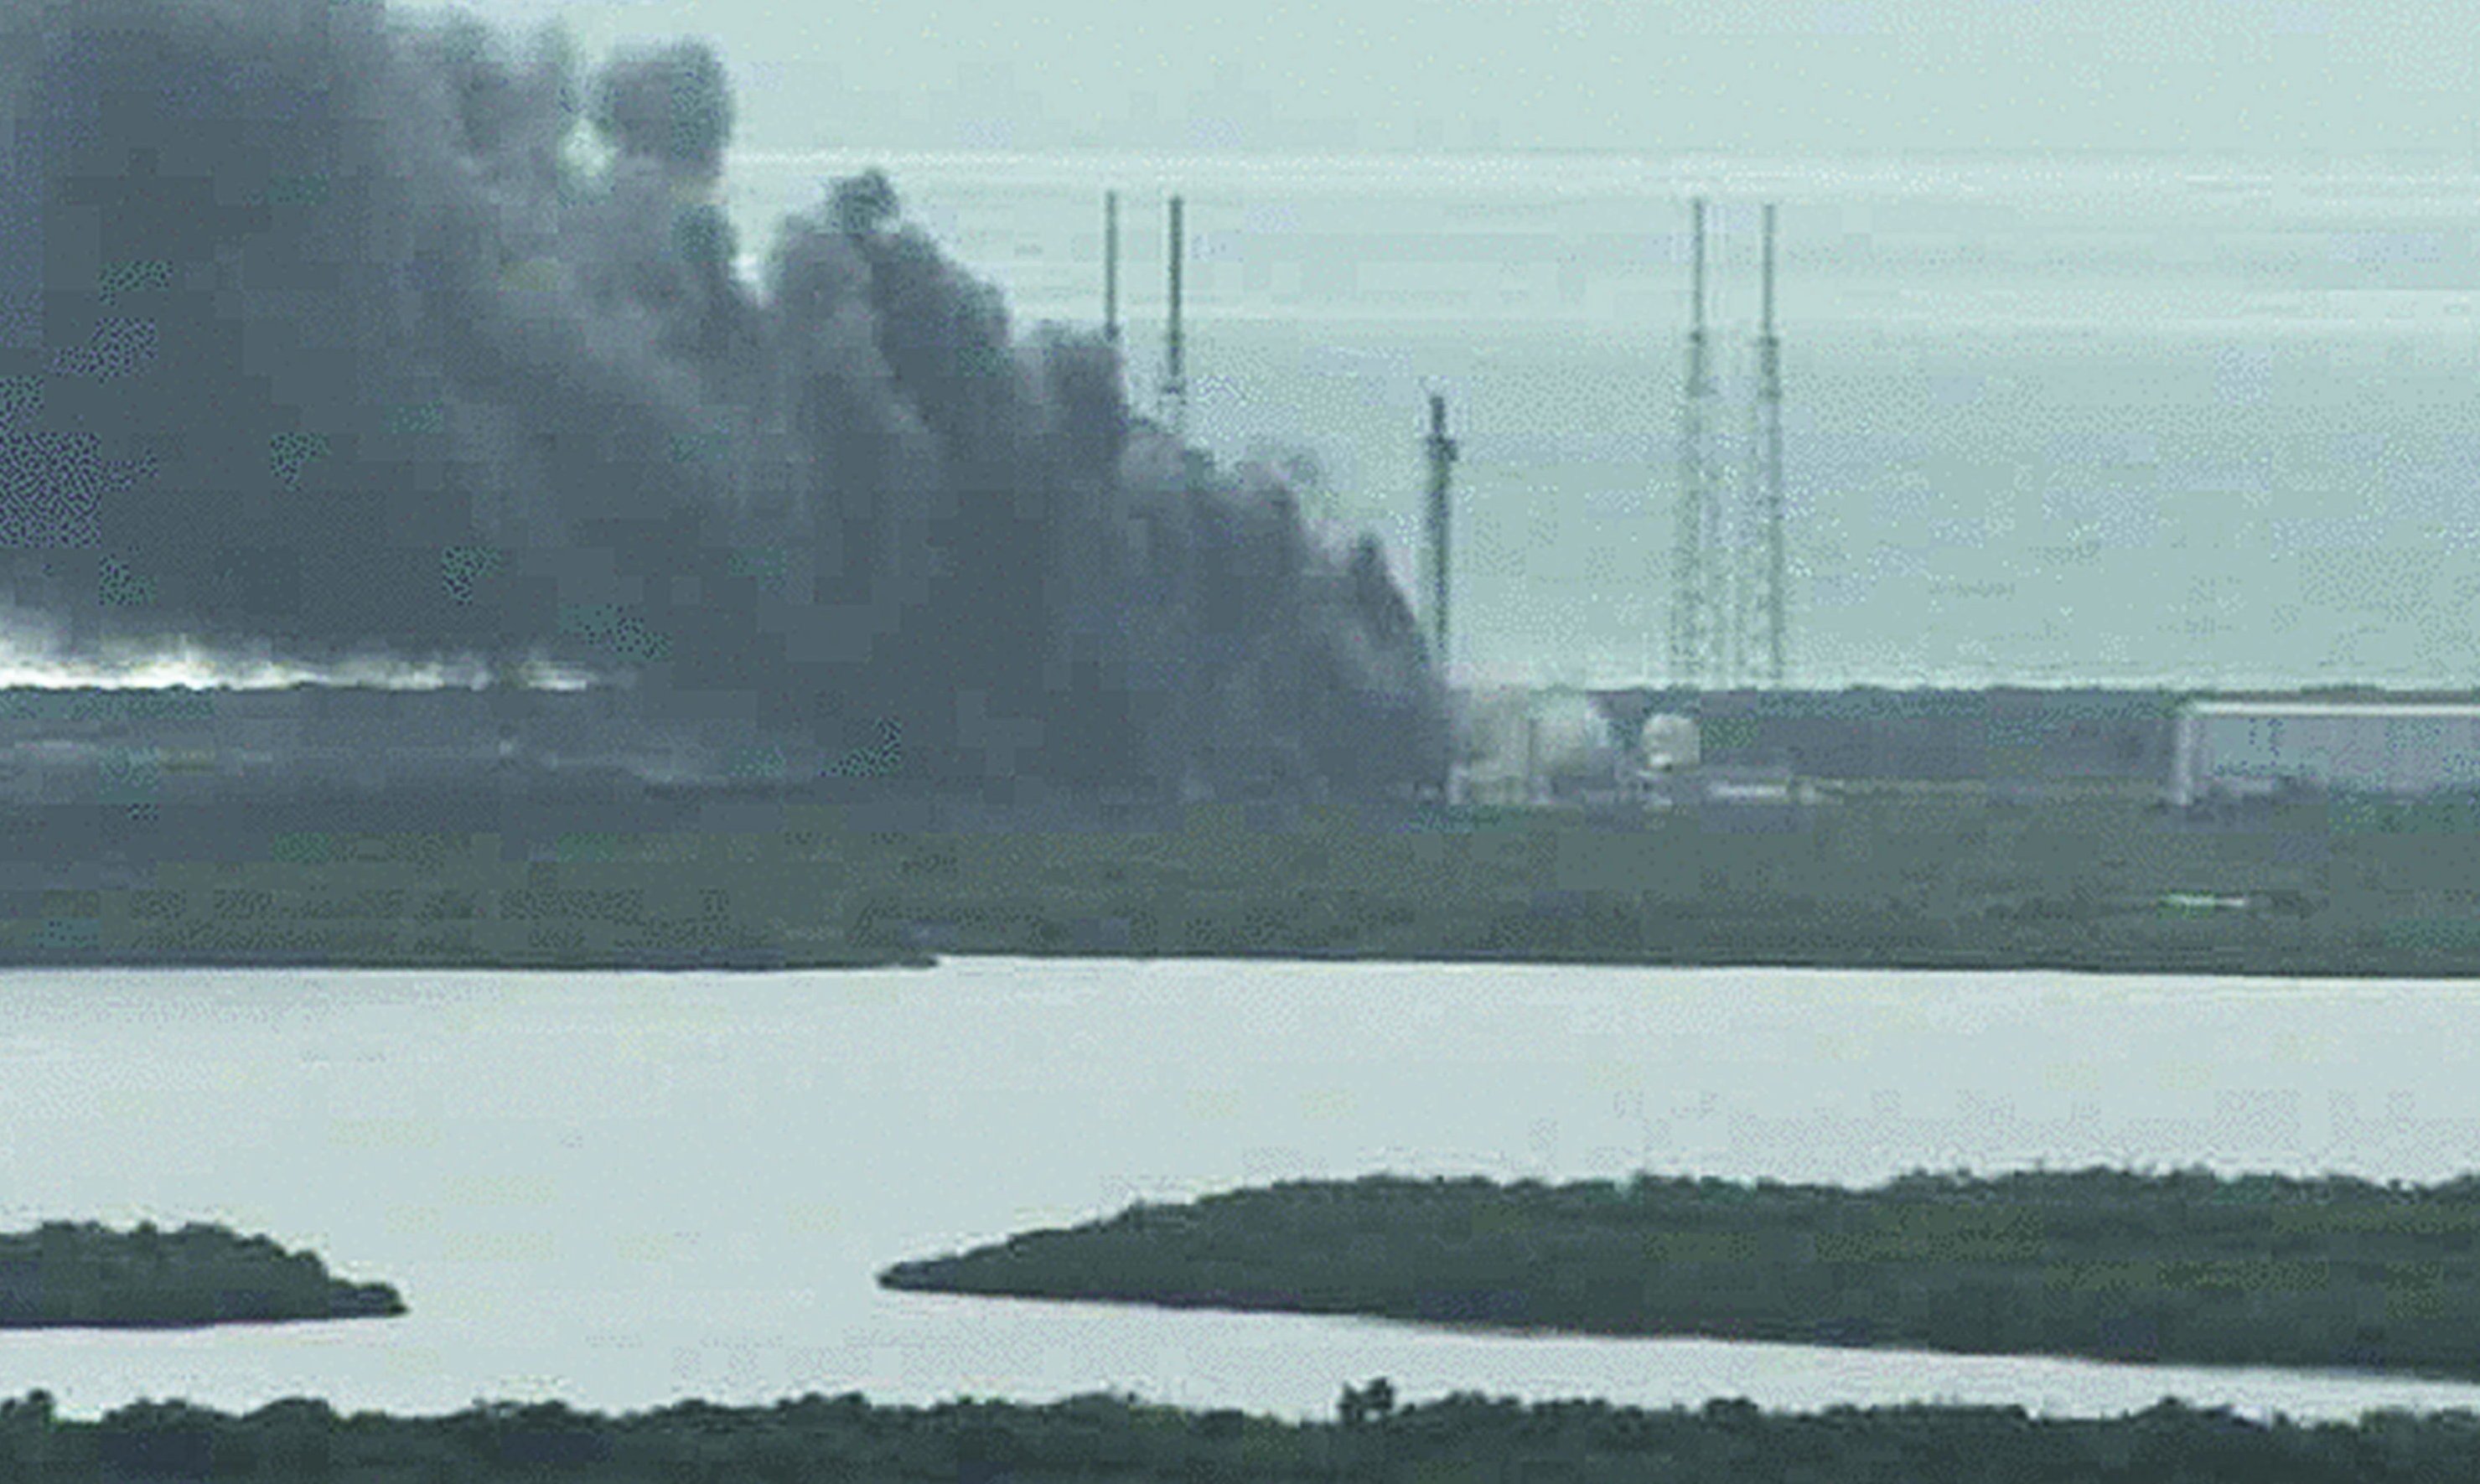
<point x="2281" y="708"/>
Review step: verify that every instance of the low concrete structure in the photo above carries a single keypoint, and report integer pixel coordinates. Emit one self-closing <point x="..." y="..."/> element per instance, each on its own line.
<point x="1726" y="786"/>
<point x="1995" y="736"/>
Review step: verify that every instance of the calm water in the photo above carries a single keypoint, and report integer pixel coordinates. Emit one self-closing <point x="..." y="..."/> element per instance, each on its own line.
<point x="2130" y="421"/>
<point x="624" y="1190"/>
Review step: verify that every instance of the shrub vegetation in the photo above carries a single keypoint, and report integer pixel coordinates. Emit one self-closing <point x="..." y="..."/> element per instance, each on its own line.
<point x="1460" y="1438"/>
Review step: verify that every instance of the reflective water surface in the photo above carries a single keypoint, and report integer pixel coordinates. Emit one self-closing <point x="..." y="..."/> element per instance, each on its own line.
<point x="624" y="1190"/>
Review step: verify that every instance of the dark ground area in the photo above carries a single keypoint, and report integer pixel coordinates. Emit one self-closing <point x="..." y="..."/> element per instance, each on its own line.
<point x="578" y="872"/>
<point x="611" y="876"/>
<point x="1962" y="829"/>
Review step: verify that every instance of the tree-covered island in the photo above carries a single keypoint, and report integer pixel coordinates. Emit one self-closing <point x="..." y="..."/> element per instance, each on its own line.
<point x="2179" y="1267"/>
<point x="82" y="1274"/>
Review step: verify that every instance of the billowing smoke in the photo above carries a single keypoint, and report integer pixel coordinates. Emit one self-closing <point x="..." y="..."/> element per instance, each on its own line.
<point x="326" y="337"/>
<point x="671" y="104"/>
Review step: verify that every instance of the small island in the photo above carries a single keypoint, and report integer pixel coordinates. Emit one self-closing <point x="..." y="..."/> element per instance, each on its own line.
<point x="81" y="1274"/>
<point x="2177" y="1267"/>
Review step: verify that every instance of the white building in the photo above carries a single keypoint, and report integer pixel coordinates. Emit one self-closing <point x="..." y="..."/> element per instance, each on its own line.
<point x="2239" y="749"/>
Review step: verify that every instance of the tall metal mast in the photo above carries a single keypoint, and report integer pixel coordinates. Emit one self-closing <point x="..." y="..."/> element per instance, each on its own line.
<point x="1442" y="462"/>
<point x="1771" y="578"/>
<point x="1690" y="604"/>
<point x="1111" y="267"/>
<point x="1175" y="391"/>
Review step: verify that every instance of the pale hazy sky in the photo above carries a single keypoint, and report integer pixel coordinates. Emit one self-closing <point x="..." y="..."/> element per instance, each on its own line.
<point x="2347" y="77"/>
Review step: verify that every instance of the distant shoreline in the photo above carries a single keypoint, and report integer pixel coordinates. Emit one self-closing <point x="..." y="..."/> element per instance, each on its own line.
<point x="729" y="965"/>
<point x="2201" y="965"/>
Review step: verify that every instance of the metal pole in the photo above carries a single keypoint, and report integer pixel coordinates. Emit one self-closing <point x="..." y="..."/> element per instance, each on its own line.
<point x="1111" y="267"/>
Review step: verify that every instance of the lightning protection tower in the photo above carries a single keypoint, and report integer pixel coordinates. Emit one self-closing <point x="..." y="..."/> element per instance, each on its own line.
<point x="1698" y="531"/>
<point x="1769" y="576"/>
<point x="1175" y="391"/>
<point x="1442" y="462"/>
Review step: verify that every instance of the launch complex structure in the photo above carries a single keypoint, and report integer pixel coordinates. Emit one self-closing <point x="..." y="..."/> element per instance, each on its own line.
<point x="1729" y="598"/>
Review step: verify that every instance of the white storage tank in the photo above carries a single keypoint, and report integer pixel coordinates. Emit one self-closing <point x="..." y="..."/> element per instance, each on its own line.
<point x="2252" y="748"/>
<point x="1489" y="745"/>
<point x="1571" y="743"/>
<point x="1669" y="743"/>
<point x="1515" y="745"/>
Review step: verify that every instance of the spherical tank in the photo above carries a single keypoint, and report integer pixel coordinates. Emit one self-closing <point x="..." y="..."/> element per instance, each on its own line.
<point x="1570" y="739"/>
<point x="1670" y="742"/>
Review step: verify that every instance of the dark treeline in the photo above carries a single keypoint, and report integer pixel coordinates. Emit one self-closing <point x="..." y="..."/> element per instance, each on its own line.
<point x="333" y="332"/>
<point x="1461" y="1438"/>
<point x="2174" y="1268"/>
<point x="84" y="1274"/>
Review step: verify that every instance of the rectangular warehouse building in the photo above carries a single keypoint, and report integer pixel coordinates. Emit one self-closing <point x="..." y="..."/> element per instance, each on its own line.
<point x="2241" y="749"/>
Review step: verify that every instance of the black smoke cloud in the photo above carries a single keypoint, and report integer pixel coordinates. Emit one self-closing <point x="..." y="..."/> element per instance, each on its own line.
<point x="323" y="338"/>
<point x="671" y="103"/>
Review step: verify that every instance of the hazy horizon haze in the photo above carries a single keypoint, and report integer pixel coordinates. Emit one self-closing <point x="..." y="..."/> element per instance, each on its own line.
<point x="1740" y="76"/>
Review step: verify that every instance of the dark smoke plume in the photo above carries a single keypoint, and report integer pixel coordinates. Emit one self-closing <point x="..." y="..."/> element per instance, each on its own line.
<point x="318" y="336"/>
<point x="671" y="104"/>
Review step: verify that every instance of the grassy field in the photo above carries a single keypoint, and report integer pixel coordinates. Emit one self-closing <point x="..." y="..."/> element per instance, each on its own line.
<point x="2094" y="877"/>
